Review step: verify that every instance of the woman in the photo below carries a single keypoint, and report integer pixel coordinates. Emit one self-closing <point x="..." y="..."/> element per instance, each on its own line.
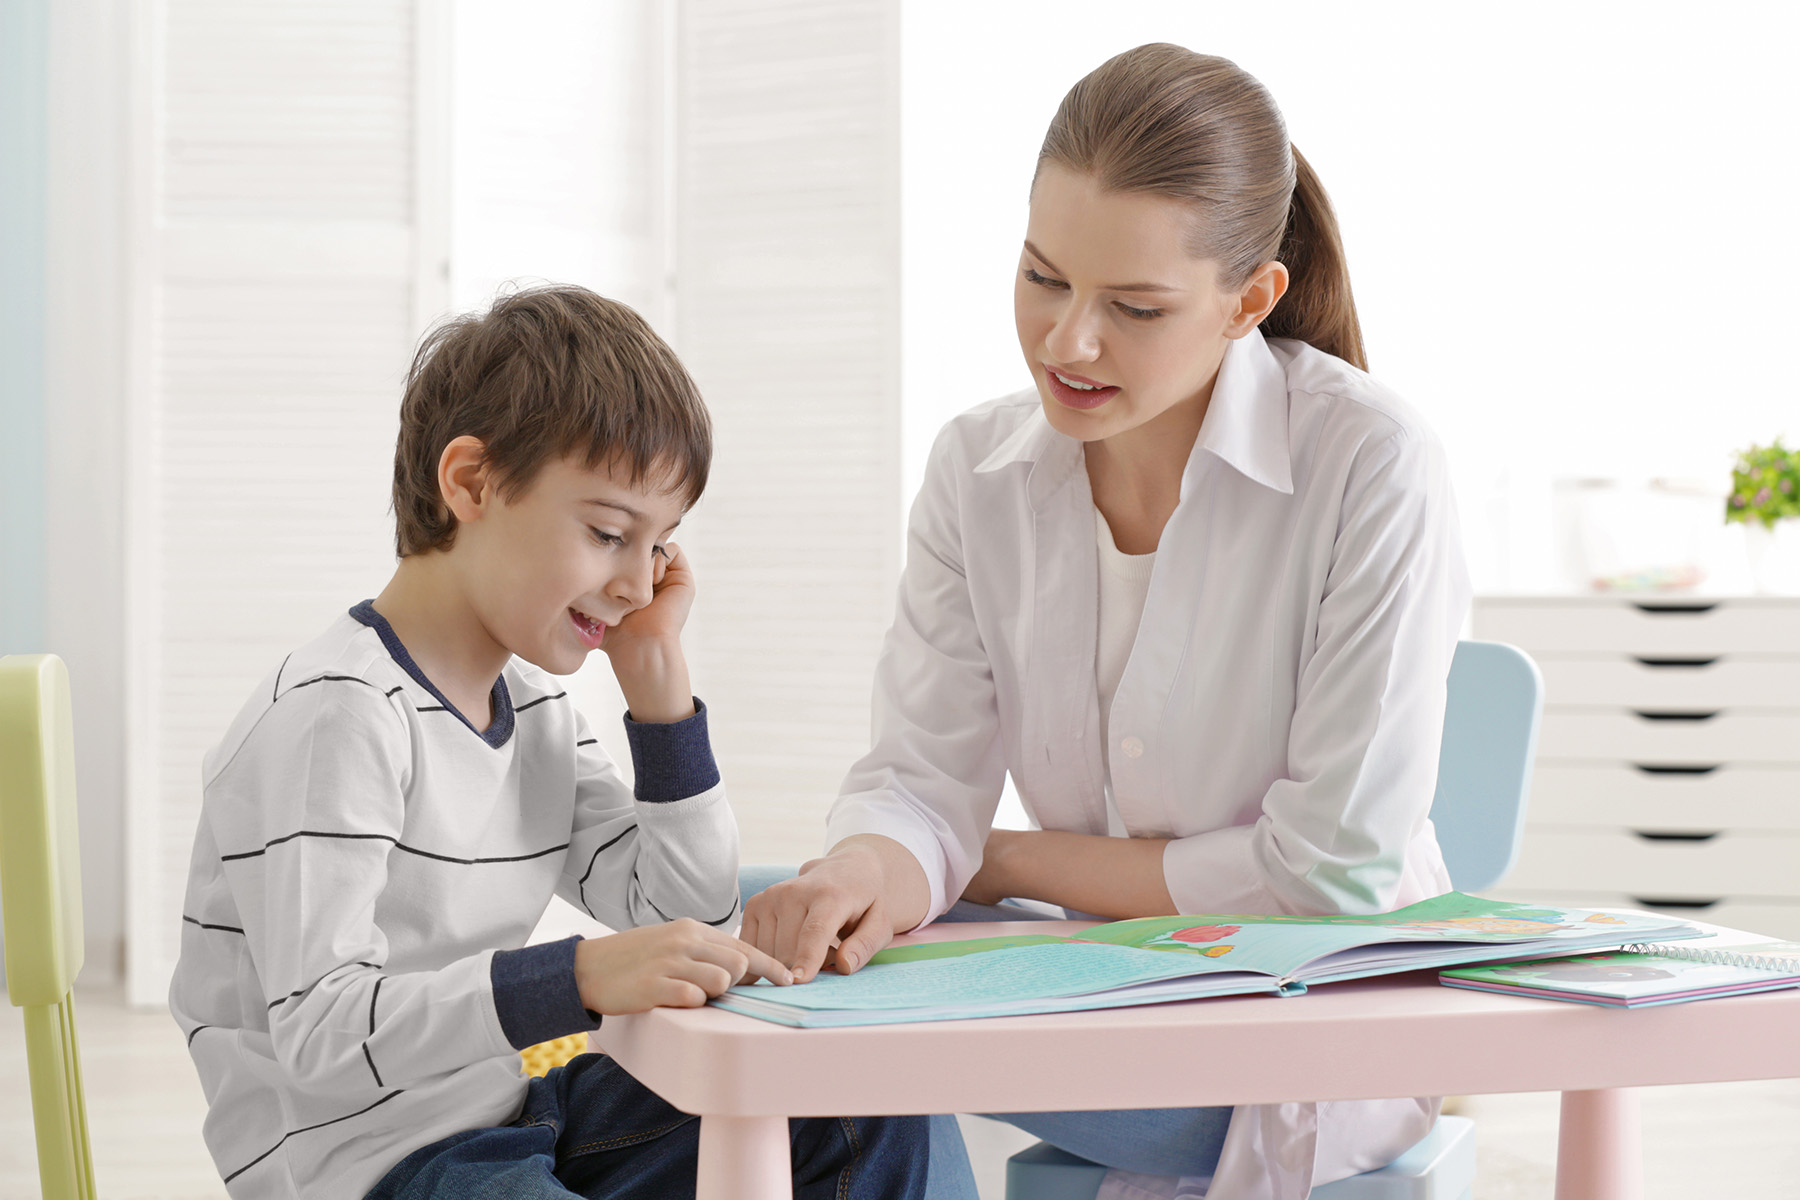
<point x="1197" y="592"/>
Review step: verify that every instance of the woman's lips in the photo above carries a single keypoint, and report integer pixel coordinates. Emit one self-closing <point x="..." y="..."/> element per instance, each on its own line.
<point x="591" y="632"/>
<point x="1080" y="398"/>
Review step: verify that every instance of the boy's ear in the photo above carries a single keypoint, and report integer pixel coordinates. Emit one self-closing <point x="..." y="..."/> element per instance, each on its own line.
<point x="464" y="480"/>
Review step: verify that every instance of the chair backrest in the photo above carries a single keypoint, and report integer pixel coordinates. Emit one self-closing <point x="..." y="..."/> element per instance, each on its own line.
<point x="1484" y="764"/>
<point x="40" y="859"/>
<point x="40" y="893"/>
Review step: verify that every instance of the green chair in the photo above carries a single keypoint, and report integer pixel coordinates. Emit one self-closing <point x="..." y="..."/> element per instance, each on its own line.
<point x="40" y="890"/>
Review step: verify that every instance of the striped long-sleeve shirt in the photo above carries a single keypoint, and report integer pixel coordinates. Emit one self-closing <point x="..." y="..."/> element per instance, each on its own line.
<point x="353" y="979"/>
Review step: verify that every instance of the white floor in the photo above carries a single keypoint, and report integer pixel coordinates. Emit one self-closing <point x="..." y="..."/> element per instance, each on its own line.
<point x="1739" y="1141"/>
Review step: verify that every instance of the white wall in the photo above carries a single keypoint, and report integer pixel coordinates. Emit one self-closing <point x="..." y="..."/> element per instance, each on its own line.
<point x="1568" y="225"/>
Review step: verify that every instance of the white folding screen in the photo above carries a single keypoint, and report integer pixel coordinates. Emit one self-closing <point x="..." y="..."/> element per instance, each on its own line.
<point x="292" y="205"/>
<point x="787" y="237"/>
<point x="288" y="241"/>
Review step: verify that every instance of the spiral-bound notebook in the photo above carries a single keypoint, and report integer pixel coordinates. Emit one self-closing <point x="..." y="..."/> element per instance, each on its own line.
<point x="1639" y="976"/>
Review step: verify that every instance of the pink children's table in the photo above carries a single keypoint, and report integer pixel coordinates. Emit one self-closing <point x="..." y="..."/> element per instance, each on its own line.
<point x="1400" y="1035"/>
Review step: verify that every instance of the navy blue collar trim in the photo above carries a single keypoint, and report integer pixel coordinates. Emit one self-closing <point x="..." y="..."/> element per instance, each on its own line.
<point x="498" y="730"/>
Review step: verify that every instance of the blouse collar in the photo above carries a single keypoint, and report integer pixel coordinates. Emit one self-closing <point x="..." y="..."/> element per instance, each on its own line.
<point x="1246" y="428"/>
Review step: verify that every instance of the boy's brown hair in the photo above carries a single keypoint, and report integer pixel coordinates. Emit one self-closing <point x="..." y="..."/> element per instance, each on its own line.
<point x="546" y="373"/>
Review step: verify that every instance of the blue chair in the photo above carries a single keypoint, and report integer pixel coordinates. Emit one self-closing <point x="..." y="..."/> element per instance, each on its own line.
<point x="1484" y="774"/>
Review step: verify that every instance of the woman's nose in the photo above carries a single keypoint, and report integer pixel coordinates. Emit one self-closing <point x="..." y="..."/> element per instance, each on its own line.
<point x="1074" y="337"/>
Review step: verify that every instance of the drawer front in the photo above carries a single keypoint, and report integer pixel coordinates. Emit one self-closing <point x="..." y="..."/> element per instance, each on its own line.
<point x="1772" y="918"/>
<point x="1683" y="683"/>
<point x="1650" y="628"/>
<point x="1704" y="737"/>
<point x="1615" y="796"/>
<point x="1727" y="864"/>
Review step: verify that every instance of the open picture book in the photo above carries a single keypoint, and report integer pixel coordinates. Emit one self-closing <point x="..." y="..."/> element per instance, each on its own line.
<point x="1153" y="960"/>
<point x="1643" y="976"/>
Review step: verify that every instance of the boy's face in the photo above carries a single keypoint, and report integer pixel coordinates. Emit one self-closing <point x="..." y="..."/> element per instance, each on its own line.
<point x="551" y="569"/>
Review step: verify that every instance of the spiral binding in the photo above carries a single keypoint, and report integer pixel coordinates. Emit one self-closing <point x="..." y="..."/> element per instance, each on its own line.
<point x="1721" y="957"/>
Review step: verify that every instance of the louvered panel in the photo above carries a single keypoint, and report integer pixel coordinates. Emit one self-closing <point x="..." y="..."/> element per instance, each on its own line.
<point x="276" y="320"/>
<point x="788" y="269"/>
<point x="289" y="110"/>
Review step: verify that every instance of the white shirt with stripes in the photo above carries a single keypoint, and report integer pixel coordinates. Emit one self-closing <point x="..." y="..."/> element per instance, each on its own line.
<point x="366" y="870"/>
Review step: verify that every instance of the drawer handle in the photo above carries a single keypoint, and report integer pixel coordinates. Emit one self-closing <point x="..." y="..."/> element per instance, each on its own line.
<point x="1670" y="835"/>
<point x="1678" y="663"/>
<point x="1677" y="768"/>
<point x="1660" y="610"/>
<point x="1676" y="715"/>
<point x="1665" y="902"/>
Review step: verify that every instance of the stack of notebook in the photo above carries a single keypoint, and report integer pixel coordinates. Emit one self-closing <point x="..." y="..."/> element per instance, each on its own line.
<point x="1724" y="964"/>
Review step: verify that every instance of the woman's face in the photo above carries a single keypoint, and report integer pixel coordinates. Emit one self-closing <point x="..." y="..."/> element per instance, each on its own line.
<point x="1119" y="322"/>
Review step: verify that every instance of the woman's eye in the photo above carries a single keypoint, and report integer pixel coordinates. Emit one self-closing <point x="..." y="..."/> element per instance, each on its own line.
<point x="1140" y="314"/>
<point x="606" y="539"/>
<point x="1032" y="276"/>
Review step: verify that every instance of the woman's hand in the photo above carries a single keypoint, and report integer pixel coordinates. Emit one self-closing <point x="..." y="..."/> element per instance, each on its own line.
<point x="840" y="909"/>
<point x="830" y="915"/>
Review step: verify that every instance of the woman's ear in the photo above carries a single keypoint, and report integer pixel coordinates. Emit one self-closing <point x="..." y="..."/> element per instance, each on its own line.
<point x="1258" y="297"/>
<point x="464" y="480"/>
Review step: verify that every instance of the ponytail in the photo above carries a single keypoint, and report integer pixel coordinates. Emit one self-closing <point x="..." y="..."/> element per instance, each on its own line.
<point x="1318" y="308"/>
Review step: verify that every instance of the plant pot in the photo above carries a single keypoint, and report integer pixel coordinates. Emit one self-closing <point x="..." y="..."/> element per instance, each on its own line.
<point x="1774" y="557"/>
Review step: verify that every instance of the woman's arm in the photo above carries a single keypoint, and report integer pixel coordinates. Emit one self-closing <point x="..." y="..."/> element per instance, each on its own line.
<point x="1114" y="877"/>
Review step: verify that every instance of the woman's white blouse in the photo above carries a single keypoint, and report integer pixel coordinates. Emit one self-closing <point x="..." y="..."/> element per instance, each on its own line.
<point x="1280" y="713"/>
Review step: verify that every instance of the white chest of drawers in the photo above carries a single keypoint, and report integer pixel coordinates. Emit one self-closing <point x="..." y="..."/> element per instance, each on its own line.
<point x="1668" y="771"/>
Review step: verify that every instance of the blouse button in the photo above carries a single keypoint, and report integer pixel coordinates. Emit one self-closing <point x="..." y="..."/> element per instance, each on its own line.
<point x="1133" y="747"/>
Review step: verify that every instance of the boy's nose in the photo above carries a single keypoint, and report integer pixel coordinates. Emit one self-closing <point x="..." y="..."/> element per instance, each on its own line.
<point x="635" y="587"/>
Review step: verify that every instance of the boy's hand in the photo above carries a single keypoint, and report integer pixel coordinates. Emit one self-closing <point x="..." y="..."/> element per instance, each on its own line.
<point x="831" y="914"/>
<point x="645" y="646"/>
<point x="661" y="620"/>
<point x="682" y="964"/>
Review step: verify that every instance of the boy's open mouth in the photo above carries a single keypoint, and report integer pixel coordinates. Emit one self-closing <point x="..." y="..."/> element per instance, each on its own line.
<point x="590" y="631"/>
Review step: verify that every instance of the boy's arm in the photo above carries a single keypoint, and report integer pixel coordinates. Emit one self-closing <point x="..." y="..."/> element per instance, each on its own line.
<point x="658" y="850"/>
<point x="666" y="847"/>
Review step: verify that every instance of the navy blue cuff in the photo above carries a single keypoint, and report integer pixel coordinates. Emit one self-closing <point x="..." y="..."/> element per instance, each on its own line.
<point x="673" y="761"/>
<point x="535" y="993"/>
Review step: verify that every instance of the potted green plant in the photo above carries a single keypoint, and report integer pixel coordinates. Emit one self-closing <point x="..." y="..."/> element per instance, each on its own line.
<point x="1765" y="497"/>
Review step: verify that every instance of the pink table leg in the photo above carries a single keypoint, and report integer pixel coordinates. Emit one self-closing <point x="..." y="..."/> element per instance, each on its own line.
<point x="1599" y="1149"/>
<point x="745" y="1158"/>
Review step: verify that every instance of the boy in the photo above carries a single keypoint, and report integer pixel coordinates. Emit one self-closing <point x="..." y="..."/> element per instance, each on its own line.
<point x="391" y="811"/>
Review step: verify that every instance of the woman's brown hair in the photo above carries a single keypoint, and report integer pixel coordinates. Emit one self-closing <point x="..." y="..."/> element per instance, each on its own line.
<point x="1165" y="120"/>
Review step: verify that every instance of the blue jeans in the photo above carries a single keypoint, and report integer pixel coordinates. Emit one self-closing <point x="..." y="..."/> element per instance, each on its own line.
<point x="1151" y="1141"/>
<point x="589" y="1129"/>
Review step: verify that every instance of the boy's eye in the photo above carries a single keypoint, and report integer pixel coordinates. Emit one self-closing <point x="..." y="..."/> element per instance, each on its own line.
<point x="1032" y="276"/>
<point x="662" y="550"/>
<point x="606" y="539"/>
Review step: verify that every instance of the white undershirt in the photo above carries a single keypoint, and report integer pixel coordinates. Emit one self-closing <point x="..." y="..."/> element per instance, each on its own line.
<point x="1124" y="582"/>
